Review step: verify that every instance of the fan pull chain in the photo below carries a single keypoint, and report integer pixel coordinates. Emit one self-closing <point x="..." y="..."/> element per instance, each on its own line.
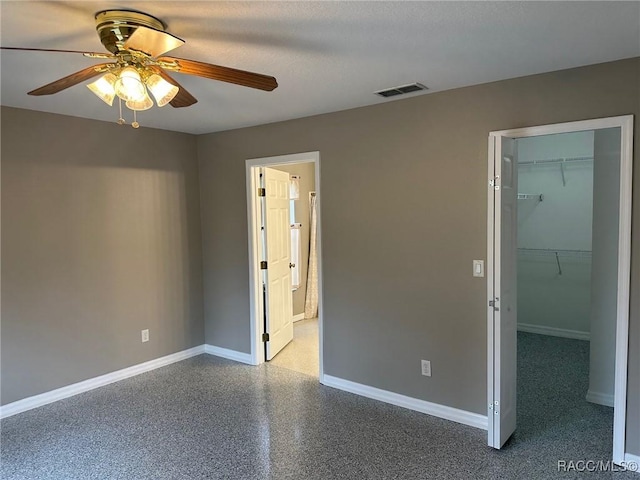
<point x="120" y="120"/>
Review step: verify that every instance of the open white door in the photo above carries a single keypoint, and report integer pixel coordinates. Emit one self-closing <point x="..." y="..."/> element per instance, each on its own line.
<point x="501" y="275"/>
<point x="503" y="298"/>
<point x="277" y="250"/>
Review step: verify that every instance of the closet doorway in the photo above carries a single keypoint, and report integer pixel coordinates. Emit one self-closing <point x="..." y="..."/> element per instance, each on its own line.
<point x="557" y="272"/>
<point x="285" y="261"/>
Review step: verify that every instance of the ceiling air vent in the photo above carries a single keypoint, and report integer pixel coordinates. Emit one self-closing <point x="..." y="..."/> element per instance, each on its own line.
<point x="391" y="92"/>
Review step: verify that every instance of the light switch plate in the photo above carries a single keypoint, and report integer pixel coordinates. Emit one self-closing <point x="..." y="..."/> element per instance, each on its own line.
<point x="425" y="367"/>
<point x="478" y="268"/>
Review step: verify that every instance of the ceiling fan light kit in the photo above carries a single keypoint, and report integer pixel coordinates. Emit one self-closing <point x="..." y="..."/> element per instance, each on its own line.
<point x="137" y="43"/>
<point x="133" y="88"/>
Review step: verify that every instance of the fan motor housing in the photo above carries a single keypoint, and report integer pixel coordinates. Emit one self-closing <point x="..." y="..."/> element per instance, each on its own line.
<point x="114" y="27"/>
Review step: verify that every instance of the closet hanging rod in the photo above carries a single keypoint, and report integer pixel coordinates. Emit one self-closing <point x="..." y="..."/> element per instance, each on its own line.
<point x="556" y="254"/>
<point x="557" y="160"/>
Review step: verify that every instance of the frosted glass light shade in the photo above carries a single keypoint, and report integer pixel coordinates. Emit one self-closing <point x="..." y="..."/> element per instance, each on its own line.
<point x="128" y="86"/>
<point x="138" y="105"/>
<point x="104" y="88"/>
<point x="162" y="90"/>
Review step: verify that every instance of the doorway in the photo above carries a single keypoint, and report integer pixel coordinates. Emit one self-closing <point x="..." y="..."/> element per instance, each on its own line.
<point x="283" y="300"/>
<point x="502" y="271"/>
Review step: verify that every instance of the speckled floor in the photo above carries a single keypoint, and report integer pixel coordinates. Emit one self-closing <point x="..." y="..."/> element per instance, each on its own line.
<point x="302" y="353"/>
<point x="210" y="418"/>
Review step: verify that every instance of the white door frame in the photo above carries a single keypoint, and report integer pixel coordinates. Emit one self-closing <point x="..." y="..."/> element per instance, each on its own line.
<point x="253" y="215"/>
<point x="625" y="123"/>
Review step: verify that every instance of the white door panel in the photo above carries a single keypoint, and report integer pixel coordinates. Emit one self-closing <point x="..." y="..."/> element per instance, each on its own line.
<point x="277" y="249"/>
<point x="503" y="403"/>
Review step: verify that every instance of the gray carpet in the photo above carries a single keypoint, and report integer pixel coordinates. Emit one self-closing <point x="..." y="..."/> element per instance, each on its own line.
<point x="209" y="418"/>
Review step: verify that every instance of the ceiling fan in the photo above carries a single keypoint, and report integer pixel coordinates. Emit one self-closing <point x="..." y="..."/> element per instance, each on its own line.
<point x="137" y="44"/>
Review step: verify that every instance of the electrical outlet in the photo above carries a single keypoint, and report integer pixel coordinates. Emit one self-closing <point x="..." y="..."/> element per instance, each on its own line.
<point x="145" y="335"/>
<point x="426" y="368"/>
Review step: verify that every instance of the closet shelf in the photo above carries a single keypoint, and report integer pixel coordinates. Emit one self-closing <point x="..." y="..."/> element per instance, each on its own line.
<point x="556" y="160"/>
<point x="560" y="161"/>
<point x="553" y="251"/>
<point x="531" y="196"/>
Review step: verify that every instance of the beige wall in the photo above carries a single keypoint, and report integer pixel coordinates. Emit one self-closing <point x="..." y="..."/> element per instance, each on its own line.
<point x="306" y="172"/>
<point x="100" y="239"/>
<point x="399" y="236"/>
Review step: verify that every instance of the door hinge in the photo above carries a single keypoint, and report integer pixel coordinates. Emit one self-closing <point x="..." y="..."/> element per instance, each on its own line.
<point x="265" y="337"/>
<point x="263" y="265"/>
<point x="493" y="182"/>
<point x="262" y="192"/>
<point x="494" y="304"/>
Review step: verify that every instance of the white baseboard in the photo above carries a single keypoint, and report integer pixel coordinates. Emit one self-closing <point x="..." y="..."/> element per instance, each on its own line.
<point x="600" y="398"/>
<point x="92" y="383"/>
<point x="298" y="317"/>
<point x="441" y="411"/>
<point x="554" y="332"/>
<point x="229" y="354"/>
<point x="633" y="461"/>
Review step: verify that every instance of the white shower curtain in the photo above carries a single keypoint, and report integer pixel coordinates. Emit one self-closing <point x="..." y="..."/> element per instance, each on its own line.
<point x="311" y="298"/>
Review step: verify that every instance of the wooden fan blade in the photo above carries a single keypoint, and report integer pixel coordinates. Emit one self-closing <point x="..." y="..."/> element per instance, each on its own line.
<point x="152" y="42"/>
<point x="87" y="54"/>
<point x="183" y="98"/>
<point x="70" y="80"/>
<point x="224" y="74"/>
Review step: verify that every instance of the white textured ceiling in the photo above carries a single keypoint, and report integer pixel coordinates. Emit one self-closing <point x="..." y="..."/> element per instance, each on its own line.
<point x="326" y="56"/>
